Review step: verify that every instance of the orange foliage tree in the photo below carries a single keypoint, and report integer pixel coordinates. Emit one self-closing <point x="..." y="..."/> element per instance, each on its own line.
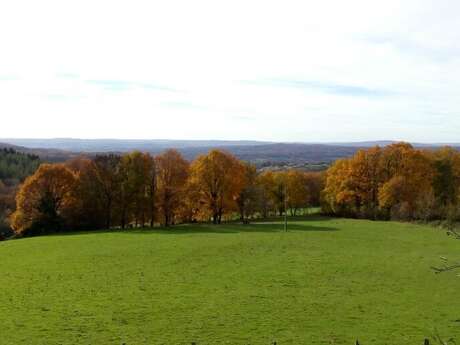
<point x="88" y="211"/>
<point x="248" y="199"/>
<point x="396" y="181"/>
<point x="44" y="199"/>
<point x="172" y="175"/>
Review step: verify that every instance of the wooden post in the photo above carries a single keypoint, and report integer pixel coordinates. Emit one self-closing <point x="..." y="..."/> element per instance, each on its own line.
<point x="285" y="209"/>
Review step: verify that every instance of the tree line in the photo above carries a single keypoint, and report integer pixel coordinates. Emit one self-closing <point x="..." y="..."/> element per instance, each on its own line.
<point x="395" y="182"/>
<point x="138" y="190"/>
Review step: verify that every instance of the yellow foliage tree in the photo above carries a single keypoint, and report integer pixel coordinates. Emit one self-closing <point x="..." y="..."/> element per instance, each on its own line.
<point x="298" y="193"/>
<point x="219" y="177"/>
<point x="266" y="183"/>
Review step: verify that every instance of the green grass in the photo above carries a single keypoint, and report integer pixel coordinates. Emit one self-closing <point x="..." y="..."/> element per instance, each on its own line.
<point x="327" y="281"/>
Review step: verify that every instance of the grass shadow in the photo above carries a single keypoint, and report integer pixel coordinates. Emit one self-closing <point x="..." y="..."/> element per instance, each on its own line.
<point x="271" y="225"/>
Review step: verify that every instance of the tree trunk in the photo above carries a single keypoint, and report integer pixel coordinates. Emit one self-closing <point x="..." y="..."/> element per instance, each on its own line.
<point x="108" y="214"/>
<point x="123" y="217"/>
<point x="219" y="219"/>
<point x="166" y="219"/>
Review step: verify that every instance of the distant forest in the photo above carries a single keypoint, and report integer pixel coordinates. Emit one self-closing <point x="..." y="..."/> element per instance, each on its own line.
<point x="15" y="167"/>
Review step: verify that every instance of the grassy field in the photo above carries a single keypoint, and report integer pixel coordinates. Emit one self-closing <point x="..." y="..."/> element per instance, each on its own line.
<point x="327" y="281"/>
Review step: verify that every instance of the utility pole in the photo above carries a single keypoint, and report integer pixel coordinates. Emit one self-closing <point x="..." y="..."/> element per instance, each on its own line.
<point x="285" y="208"/>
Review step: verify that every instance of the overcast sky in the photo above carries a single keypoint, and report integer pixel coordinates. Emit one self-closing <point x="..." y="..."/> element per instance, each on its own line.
<point x="283" y="70"/>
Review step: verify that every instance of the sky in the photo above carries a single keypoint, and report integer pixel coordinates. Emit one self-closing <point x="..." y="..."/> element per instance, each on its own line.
<point x="293" y="71"/>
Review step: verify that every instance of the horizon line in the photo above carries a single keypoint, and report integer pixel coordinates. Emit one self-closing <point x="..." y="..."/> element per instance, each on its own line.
<point x="235" y="140"/>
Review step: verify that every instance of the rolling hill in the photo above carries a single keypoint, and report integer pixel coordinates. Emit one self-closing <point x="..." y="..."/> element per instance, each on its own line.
<point x="254" y="151"/>
<point x="326" y="281"/>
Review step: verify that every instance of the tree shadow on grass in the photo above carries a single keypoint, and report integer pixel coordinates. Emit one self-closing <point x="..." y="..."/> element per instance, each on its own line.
<point x="233" y="228"/>
<point x="272" y="225"/>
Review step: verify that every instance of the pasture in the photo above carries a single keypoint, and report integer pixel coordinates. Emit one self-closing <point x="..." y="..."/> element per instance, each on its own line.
<point x="326" y="281"/>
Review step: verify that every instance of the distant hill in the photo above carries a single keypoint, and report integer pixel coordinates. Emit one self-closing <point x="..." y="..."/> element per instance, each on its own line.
<point x="389" y="142"/>
<point x="280" y="152"/>
<point x="45" y="154"/>
<point x="120" y="145"/>
<point x="254" y="151"/>
<point x="366" y="143"/>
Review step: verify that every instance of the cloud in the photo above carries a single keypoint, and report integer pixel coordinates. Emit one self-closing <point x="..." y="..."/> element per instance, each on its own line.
<point x="417" y="48"/>
<point x="124" y="85"/>
<point x="243" y="118"/>
<point x="328" y="88"/>
<point x="67" y="76"/>
<point x="184" y="105"/>
<point x="62" y="97"/>
<point x="8" y="77"/>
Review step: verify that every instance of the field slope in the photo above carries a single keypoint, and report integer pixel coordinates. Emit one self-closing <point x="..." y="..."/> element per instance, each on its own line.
<point x="327" y="281"/>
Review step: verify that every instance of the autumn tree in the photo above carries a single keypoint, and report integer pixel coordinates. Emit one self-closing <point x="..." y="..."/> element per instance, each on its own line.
<point x="135" y="192"/>
<point x="365" y="179"/>
<point x="140" y="185"/>
<point x="88" y="211"/>
<point x="192" y="207"/>
<point x="392" y="182"/>
<point x="297" y="191"/>
<point x="220" y="178"/>
<point x="338" y="196"/>
<point x="106" y="170"/>
<point x="172" y="174"/>
<point x="410" y="180"/>
<point x="249" y="195"/>
<point x="7" y="206"/>
<point x="44" y="199"/>
<point x="279" y="191"/>
<point x="446" y="181"/>
<point x="266" y="184"/>
<point x="315" y="185"/>
<point x="150" y="173"/>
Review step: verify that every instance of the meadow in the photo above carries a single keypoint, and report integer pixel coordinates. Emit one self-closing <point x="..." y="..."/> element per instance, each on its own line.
<point x="325" y="281"/>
